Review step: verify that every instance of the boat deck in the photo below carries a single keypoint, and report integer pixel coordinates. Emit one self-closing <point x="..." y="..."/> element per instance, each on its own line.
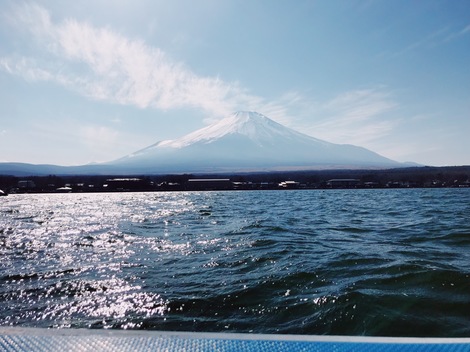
<point x="33" y="339"/>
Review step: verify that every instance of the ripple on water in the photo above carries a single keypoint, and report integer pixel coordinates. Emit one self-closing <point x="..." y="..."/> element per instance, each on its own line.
<point x="377" y="262"/>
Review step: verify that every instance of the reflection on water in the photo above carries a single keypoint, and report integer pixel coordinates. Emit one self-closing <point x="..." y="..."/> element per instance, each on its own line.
<point x="373" y="262"/>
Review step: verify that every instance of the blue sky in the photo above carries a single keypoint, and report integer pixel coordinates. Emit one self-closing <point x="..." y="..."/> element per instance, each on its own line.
<point x="92" y="81"/>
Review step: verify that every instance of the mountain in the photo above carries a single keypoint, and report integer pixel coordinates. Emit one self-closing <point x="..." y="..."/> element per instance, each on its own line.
<point x="246" y="141"/>
<point x="24" y="169"/>
<point x="243" y="142"/>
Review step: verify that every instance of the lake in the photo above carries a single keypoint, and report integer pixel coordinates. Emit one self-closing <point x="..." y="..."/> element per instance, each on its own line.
<point x="390" y="262"/>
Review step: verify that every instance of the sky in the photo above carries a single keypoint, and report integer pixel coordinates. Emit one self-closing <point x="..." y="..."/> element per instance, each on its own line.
<point x="94" y="80"/>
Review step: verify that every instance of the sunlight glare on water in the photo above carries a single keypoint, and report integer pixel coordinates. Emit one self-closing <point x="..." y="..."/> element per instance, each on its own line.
<point x="374" y="262"/>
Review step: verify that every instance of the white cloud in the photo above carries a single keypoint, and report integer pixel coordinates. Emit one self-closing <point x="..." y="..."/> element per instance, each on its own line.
<point x="458" y="34"/>
<point x="359" y="105"/>
<point x="27" y="68"/>
<point x="434" y="39"/>
<point x="465" y="30"/>
<point x="105" y="65"/>
<point x="355" y="117"/>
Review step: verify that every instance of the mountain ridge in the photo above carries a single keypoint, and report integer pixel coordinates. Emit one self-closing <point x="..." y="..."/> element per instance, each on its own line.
<point x="248" y="140"/>
<point x="245" y="141"/>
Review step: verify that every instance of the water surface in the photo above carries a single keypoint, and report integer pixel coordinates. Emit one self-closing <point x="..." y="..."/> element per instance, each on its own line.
<point x="355" y="262"/>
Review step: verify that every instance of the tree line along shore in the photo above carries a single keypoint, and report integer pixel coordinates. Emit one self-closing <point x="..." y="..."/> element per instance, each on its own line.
<point x="415" y="177"/>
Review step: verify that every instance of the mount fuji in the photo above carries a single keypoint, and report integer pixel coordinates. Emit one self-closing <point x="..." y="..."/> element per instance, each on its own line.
<point x="246" y="141"/>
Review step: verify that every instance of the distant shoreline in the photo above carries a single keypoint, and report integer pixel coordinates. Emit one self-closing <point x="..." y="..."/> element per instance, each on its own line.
<point x="414" y="177"/>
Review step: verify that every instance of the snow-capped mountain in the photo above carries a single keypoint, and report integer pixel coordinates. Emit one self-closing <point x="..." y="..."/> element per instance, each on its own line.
<point x="247" y="141"/>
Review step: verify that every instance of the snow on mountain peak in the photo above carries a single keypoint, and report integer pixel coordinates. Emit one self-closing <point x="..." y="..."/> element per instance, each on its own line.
<point x="250" y="124"/>
<point x="247" y="140"/>
<point x="253" y="124"/>
<point x="249" y="117"/>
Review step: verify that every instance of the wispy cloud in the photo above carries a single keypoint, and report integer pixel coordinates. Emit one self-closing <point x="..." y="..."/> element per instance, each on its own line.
<point x="458" y="34"/>
<point x="429" y="41"/>
<point x="28" y="68"/>
<point x="99" y="141"/>
<point x="105" y="65"/>
<point x="434" y="39"/>
<point x="102" y="64"/>
<point x="465" y="30"/>
<point x="98" y="136"/>
<point x="355" y="117"/>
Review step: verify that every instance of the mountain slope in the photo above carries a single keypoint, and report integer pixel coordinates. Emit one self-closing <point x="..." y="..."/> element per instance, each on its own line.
<point x="247" y="141"/>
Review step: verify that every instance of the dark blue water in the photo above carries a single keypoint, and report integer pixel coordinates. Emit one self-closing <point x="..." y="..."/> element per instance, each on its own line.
<point x="355" y="262"/>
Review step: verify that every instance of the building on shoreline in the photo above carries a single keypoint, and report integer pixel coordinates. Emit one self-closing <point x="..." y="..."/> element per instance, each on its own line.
<point x="209" y="184"/>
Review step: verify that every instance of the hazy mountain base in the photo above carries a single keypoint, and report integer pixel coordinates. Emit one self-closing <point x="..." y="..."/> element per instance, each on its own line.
<point x="24" y="169"/>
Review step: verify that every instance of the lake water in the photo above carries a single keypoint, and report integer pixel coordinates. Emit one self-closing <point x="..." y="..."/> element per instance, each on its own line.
<point x="354" y="262"/>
